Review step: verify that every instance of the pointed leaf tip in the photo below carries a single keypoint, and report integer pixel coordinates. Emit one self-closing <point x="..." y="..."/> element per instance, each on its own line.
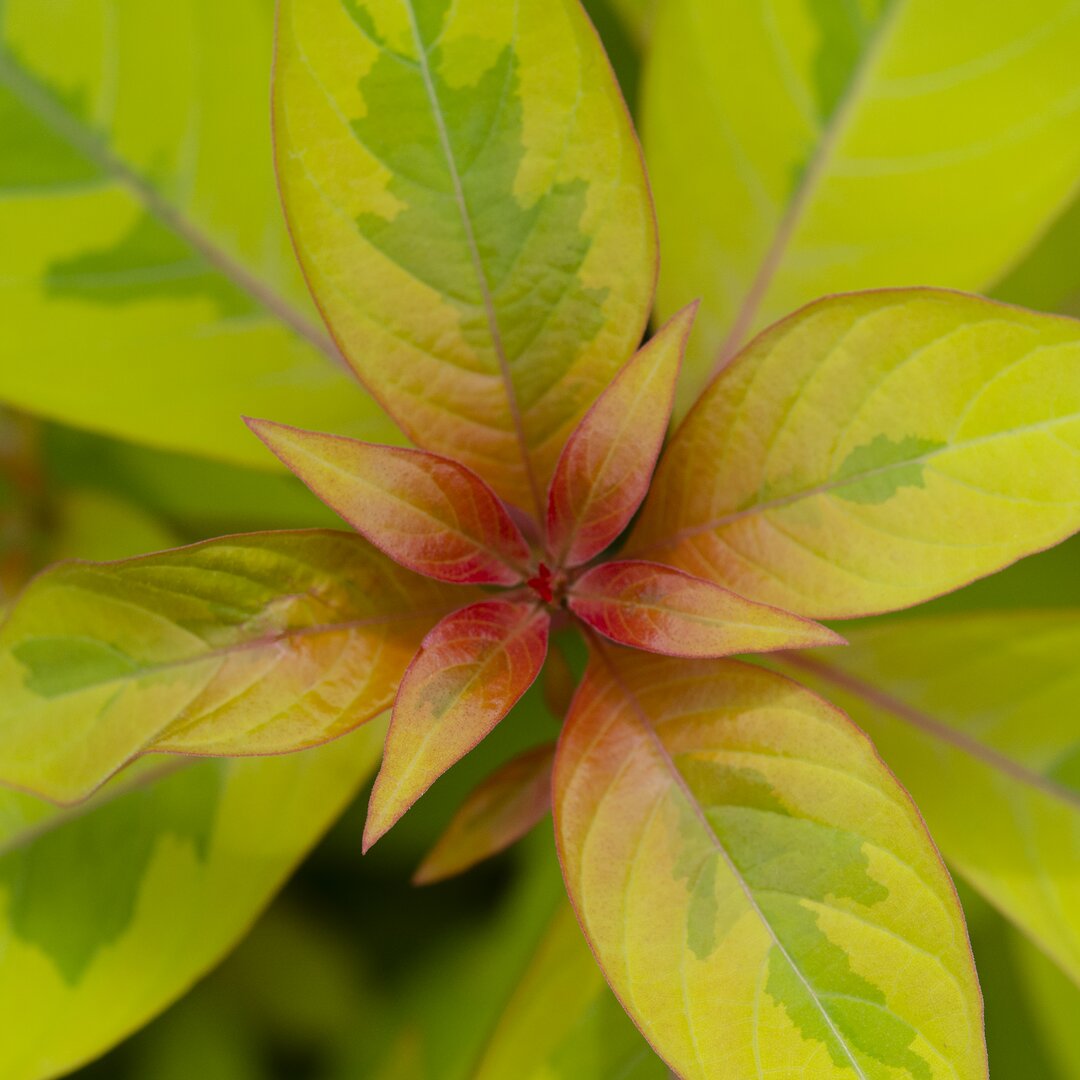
<point x="426" y="512"/>
<point x="499" y="811"/>
<point x="663" y="610"/>
<point x="469" y="673"/>
<point x="605" y="468"/>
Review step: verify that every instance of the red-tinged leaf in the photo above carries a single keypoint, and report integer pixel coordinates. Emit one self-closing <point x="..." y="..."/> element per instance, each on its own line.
<point x="605" y="467"/>
<point x="662" y="610"/>
<point x="499" y="812"/>
<point x="470" y="671"/>
<point x="426" y="512"/>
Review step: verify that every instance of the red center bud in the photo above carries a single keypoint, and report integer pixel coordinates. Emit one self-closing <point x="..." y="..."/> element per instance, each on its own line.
<point x="543" y="584"/>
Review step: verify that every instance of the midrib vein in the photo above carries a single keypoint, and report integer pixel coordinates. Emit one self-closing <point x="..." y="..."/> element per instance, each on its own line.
<point x="478" y="265"/>
<point x="42" y="104"/>
<point x="811" y="177"/>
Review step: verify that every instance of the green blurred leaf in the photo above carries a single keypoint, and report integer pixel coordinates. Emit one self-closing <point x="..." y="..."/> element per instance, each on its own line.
<point x="198" y="498"/>
<point x="147" y="285"/>
<point x="821" y="146"/>
<point x="563" y="1023"/>
<point x="976" y="714"/>
<point x="112" y="910"/>
<point x="1049" y="275"/>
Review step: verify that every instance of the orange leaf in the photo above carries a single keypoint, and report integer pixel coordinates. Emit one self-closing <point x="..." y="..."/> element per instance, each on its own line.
<point x="605" y="467"/>
<point x="662" y="610"/>
<point x="469" y="673"/>
<point x="499" y="812"/>
<point x="426" y="512"/>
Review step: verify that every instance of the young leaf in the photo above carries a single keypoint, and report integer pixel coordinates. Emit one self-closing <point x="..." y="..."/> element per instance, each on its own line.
<point x="426" y="512"/>
<point x="143" y="238"/>
<point x="468" y="674"/>
<point x="845" y="146"/>
<point x="113" y="910"/>
<point x="757" y="887"/>
<point x="875" y="450"/>
<point x="604" y="471"/>
<point x="244" y="645"/>
<point x="977" y="714"/>
<point x="497" y="814"/>
<point x="661" y="610"/>
<point x="470" y="208"/>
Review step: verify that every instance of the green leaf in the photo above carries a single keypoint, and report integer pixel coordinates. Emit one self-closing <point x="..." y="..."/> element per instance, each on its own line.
<point x="976" y="713"/>
<point x="759" y="890"/>
<point x="875" y="450"/>
<point x="143" y="241"/>
<point x="562" y="1022"/>
<point x="637" y="17"/>
<point x="471" y="211"/>
<point x="245" y="645"/>
<point x="823" y="146"/>
<point x="1049" y="277"/>
<point x="111" y="911"/>
<point x="1054" y="1003"/>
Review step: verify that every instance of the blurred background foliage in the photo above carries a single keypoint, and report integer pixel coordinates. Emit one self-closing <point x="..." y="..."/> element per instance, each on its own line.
<point x="353" y="972"/>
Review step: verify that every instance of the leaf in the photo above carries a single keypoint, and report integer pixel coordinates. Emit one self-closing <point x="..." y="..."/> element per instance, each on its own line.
<point x="1054" y="1003"/>
<point x="245" y="645"/>
<point x="143" y="241"/>
<point x="562" y="1023"/>
<point x="604" y="471"/>
<point x="471" y="211"/>
<point x="652" y="607"/>
<point x="637" y="18"/>
<point x="1048" y="277"/>
<point x="426" y="512"/>
<point x="824" y="147"/>
<point x="873" y="451"/>
<point x="112" y="911"/>
<point x="759" y="890"/>
<point x="468" y="674"/>
<point x="977" y="714"/>
<point x="501" y="810"/>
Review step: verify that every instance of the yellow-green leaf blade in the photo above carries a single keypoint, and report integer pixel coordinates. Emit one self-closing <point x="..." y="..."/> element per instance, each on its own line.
<point x="977" y="715"/>
<point x="113" y="910"/>
<point x="471" y="213"/>
<point x="759" y="890"/>
<point x="875" y="450"/>
<point x="825" y="147"/>
<point x="253" y="644"/>
<point x="143" y="241"/>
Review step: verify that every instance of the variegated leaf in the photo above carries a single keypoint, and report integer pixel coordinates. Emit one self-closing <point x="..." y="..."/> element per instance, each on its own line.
<point x="875" y="450"/>
<point x="761" y="893"/>
<point x="244" y="645"/>
<point x="471" y="211"/>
